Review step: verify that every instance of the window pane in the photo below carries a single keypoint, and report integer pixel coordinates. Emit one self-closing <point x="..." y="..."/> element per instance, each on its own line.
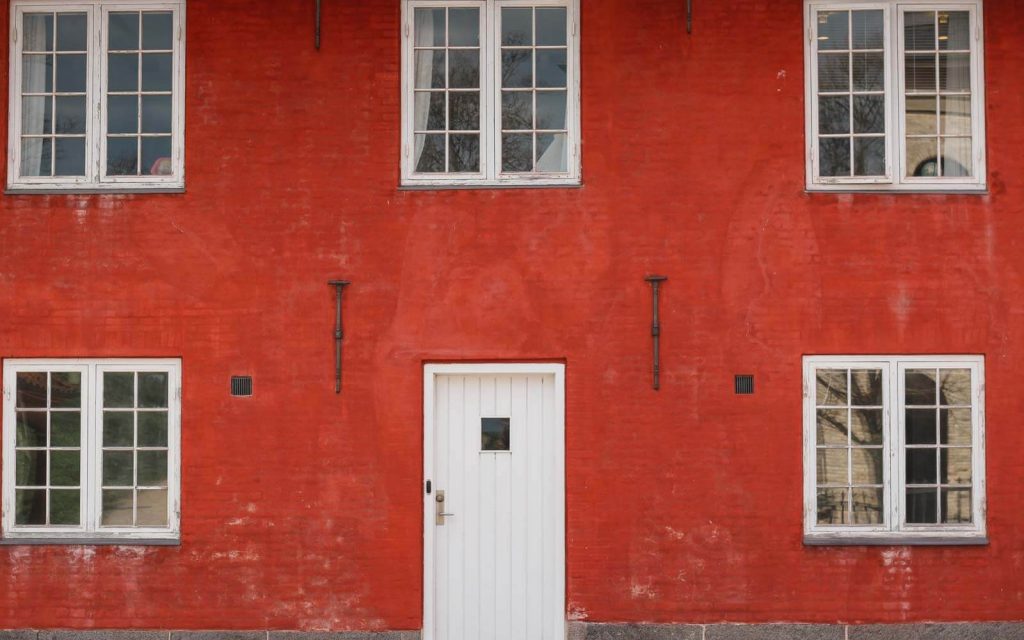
<point x="867" y="506"/>
<point x="920" y="387"/>
<point x="866" y="387"/>
<point x="38" y="29"/>
<point x="834" y="114"/>
<point x="157" y="30"/>
<point x="517" y="110"/>
<point x="831" y="387"/>
<point x="517" y="68"/>
<point x="551" y="110"/>
<point x="122" y="72"/>
<point x="157" y="71"/>
<point x="30" y="507"/>
<point x="956" y="506"/>
<point x="117" y="508"/>
<point x="955" y="466"/>
<point x="152" y="508"/>
<point x="552" y="152"/>
<point x="921" y="466"/>
<point x="122" y="157"/>
<point x="516" y="26"/>
<point x="65" y="429"/>
<point x="36" y="157"/>
<point x="118" y="389"/>
<point x="922" y="157"/>
<point x="430" y="70"/>
<point x="118" y="469"/>
<point x="153" y="468"/>
<point x="868" y="29"/>
<point x="956" y="115"/>
<point x="495" y="434"/>
<point x="867" y="466"/>
<point x="955" y="72"/>
<point x="920" y="72"/>
<point x="37" y="115"/>
<point x="833" y="72"/>
<point x="464" y="111"/>
<point x="430" y="153"/>
<point x="70" y="114"/>
<point x="31" y="389"/>
<point x="955" y="426"/>
<point x="833" y="466"/>
<point x="832" y="427"/>
<point x="156" y="114"/>
<point x="71" y="32"/>
<point x="464" y="153"/>
<point x="955" y="387"/>
<point x="71" y="73"/>
<point x="37" y="74"/>
<point x="920" y="426"/>
<point x="156" y="156"/>
<point x="30" y="468"/>
<point x="65" y="468"/>
<point x="832" y="506"/>
<point x="429" y="27"/>
<point x="922" y="506"/>
<point x="516" y="152"/>
<point x="552" y="26"/>
<point x="123" y="114"/>
<point x="956" y="157"/>
<point x="868" y="426"/>
<point x="954" y="30"/>
<point x="124" y="31"/>
<point x="118" y="429"/>
<point x="868" y="72"/>
<point x="30" y="429"/>
<point x="465" y="27"/>
<point x="869" y="156"/>
<point x="464" y="69"/>
<point x="152" y="429"/>
<point x="552" y="67"/>
<point x="834" y="156"/>
<point x="833" y="30"/>
<point x="919" y="30"/>
<point x="430" y="110"/>
<point x="921" y="115"/>
<point x="65" y="507"/>
<point x="69" y="157"/>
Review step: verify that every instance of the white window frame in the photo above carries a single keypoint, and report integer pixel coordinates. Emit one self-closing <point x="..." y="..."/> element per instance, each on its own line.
<point x="490" y="174"/>
<point x="90" y="530"/>
<point x="96" y="179"/>
<point x="894" y="529"/>
<point x="895" y="97"/>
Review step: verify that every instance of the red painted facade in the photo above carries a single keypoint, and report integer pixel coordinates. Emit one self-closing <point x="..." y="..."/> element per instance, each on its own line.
<point x="302" y="509"/>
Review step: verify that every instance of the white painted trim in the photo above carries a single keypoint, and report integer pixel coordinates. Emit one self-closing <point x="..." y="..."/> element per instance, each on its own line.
<point x="490" y="97"/>
<point x="91" y="370"/>
<point x="95" y="179"/>
<point x="894" y="530"/>
<point x="430" y="373"/>
<point x="894" y="181"/>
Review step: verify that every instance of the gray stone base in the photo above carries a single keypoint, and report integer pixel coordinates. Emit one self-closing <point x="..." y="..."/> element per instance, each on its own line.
<point x="945" y="631"/>
<point x="598" y="631"/>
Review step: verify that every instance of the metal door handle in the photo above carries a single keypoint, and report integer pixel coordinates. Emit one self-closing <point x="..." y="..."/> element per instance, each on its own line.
<point x="440" y="514"/>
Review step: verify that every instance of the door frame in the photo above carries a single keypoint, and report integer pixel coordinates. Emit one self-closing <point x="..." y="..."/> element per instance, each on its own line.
<point x="430" y="373"/>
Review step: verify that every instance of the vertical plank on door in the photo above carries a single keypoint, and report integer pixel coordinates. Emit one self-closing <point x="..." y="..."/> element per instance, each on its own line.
<point x="519" y="473"/>
<point x="455" y="501"/>
<point x="441" y="546"/>
<point x="534" y="537"/>
<point x="554" y="497"/>
<point x="488" y="516"/>
<point x="503" y="520"/>
<point x="470" y="483"/>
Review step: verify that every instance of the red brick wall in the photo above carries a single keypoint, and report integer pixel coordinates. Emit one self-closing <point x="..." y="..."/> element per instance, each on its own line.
<point x="301" y="509"/>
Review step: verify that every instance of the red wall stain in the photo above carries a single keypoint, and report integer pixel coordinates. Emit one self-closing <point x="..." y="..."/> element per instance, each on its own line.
<point x="301" y="509"/>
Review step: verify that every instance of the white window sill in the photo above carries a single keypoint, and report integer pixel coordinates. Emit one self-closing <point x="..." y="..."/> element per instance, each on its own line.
<point x="33" y="190"/>
<point x="888" y="189"/>
<point x="912" y="538"/>
<point x="432" y="184"/>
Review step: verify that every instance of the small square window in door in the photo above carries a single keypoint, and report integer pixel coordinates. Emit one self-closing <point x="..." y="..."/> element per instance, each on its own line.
<point x="496" y="434"/>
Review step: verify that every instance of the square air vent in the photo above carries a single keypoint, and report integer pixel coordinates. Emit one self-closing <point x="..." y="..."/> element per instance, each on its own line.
<point x="744" y="385"/>
<point x="241" y="386"/>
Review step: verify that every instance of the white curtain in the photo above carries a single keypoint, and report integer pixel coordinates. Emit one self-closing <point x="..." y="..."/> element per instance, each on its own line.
<point x="33" y="111"/>
<point x="424" y="71"/>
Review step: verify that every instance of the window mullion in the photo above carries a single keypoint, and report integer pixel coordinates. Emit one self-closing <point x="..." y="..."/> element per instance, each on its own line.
<point x="491" y="92"/>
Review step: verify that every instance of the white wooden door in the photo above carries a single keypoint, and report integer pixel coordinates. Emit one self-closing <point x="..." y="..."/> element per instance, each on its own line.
<point x="495" y="547"/>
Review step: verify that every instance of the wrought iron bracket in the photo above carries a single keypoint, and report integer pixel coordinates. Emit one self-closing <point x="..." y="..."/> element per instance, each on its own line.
<point x="689" y="16"/>
<point x="317" y="32"/>
<point x="339" y="331"/>
<point x="655" y="282"/>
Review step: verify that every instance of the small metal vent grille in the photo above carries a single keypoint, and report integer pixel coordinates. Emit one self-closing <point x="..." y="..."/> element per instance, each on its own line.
<point x="744" y="385"/>
<point x="241" y="385"/>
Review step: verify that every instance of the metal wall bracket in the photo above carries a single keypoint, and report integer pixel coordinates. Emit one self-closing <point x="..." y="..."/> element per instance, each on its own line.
<point x="317" y="34"/>
<point x="339" y="332"/>
<point x="689" y="16"/>
<point x="655" y="282"/>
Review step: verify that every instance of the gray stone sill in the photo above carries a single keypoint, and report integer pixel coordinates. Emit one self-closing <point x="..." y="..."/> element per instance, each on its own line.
<point x="894" y="540"/>
<point x="91" y="542"/>
<point x="122" y="191"/>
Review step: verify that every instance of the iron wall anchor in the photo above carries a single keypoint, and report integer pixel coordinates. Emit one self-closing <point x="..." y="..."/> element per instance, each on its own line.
<point x="656" y="327"/>
<point x="339" y="332"/>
